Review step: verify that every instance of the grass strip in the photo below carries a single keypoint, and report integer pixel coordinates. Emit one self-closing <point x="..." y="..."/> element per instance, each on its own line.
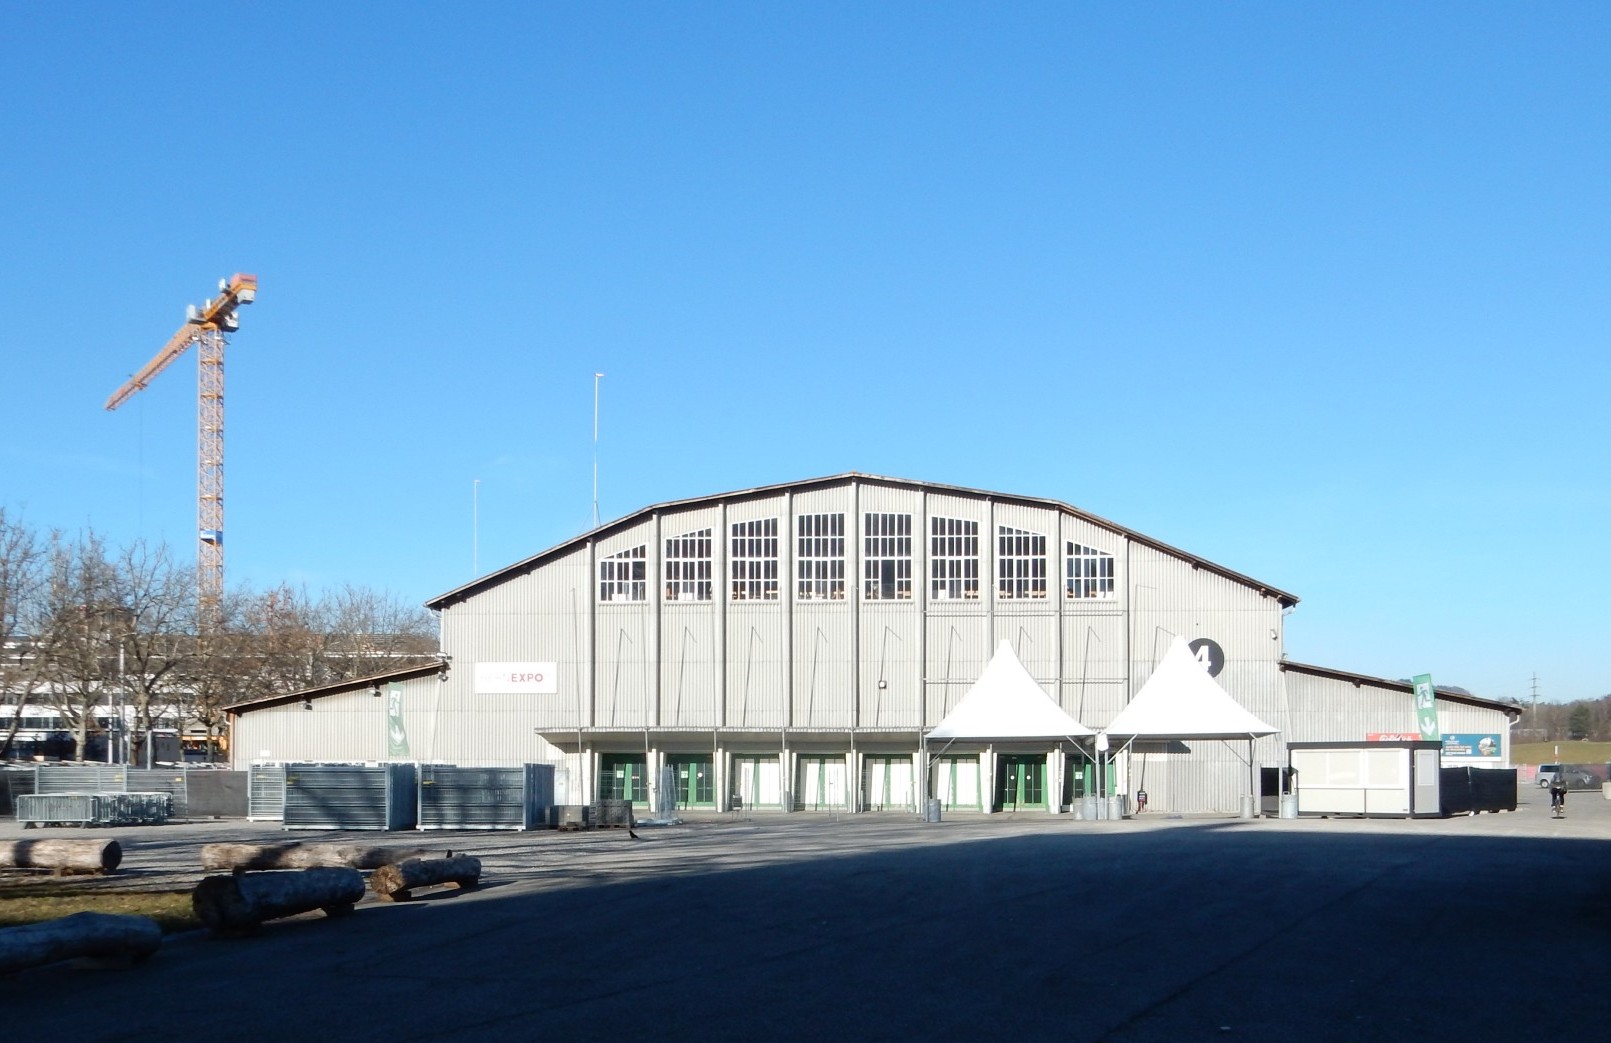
<point x="41" y="900"/>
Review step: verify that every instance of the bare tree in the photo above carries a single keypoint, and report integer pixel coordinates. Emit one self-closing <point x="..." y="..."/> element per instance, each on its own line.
<point x="81" y="618"/>
<point x="290" y="641"/>
<point x="157" y="598"/>
<point x="369" y="632"/>
<point x="22" y="586"/>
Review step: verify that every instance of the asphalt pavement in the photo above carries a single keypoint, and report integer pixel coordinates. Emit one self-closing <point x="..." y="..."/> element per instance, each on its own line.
<point x="881" y="926"/>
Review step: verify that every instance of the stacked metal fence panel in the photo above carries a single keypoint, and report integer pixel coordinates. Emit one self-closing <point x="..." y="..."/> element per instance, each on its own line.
<point x="94" y="809"/>
<point x="608" y="814"/>
<point x="174" y="781"/>
<point x="117" y="778"/>
<point x="265" y="792"/>
<point x="81" y="778"/>
<point x="471" y="798"/>
<point x="344" y="796"/>
<point x="56" y="809"/>
<point x="133" y="809"/>
<point x="485" y="798"/>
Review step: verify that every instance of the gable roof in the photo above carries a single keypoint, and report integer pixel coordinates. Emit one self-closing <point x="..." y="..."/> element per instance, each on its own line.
<point x="1511" y="709"/>
<point x="527" y="565"/>
<point x="1006" y="703"/>
<point x="350" y="684"/>
<point x="1180" y="701"/>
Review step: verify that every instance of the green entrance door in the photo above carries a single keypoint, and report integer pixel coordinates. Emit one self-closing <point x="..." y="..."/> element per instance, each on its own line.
<point x="1079" y="780"/>
<point x="1020" y="781"/>
<point x="621" y="777"/>
<point x="696" y="779"/>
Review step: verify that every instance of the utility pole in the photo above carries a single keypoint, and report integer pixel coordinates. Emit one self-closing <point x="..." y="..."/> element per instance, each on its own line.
<point x="596" y="378"/>
<point x="1536" y="728"/>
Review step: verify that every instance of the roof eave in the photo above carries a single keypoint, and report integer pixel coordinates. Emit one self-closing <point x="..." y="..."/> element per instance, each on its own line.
<point x="459" y="593"/>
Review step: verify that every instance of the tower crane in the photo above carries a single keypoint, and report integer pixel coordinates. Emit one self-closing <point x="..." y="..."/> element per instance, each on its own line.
<point x="205" y="327"/>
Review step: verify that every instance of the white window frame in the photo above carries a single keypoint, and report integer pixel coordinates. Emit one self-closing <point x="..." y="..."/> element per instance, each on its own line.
<point x="819" y="569"/>
<point x="953" y="559"/>
<point x="624" y="575"/>
<point x="1087" y="572"/>
<point x="688" y="566"/>
<point x="886" y="561"/>
<point x="753" y="560"/>
<point x="1020" y="563"/>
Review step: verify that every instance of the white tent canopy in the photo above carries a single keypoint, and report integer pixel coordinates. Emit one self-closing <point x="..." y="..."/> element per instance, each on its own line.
<point x="1006" y="703"/>
<point x="1180" y="701"/>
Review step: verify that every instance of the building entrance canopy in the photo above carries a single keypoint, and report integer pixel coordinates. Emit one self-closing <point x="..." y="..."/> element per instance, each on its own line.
<point x="1006" y="703"/>
<point x="1180" y="701"/>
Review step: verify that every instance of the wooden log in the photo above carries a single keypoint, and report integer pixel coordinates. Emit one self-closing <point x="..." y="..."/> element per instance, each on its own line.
<point x="100" y="936"/>
<point x="244" y="900"/>
<point x="75" y="856"/>
<point x="394" y="882"/>
<point x="296" y="855"/>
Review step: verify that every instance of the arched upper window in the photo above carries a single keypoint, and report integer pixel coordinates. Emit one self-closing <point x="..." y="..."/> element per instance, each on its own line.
<point x="688" y="560"/>
<point x="624" y="576"/>
<point x="753" y="559"/>
<point x="1089" y="572"/>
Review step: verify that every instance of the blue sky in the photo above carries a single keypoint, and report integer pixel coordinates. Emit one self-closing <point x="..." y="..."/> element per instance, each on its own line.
<point x="1318" y="292"/>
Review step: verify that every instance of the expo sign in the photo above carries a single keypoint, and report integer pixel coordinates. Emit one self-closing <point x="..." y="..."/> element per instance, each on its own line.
<point x="516" y="678"/>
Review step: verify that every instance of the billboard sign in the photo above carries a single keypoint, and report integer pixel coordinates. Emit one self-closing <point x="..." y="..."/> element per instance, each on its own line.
<point x="516" y="679"/>
<point x="1481" y="746"/>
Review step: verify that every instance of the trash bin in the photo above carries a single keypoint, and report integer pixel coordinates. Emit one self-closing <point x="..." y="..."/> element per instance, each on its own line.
<point x="1116" y="806"/>
<point x="1247" y="805"/>
<point x="1088" y="808"/>
<point x="932" y="810"/>
<point x="1289" y="805"/>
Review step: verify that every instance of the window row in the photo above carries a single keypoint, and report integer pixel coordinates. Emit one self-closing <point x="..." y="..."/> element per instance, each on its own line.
<point x="1022" y="568"/>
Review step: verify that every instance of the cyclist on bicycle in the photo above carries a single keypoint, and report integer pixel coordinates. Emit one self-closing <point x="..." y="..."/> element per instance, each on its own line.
<point x="1557" y="793"/>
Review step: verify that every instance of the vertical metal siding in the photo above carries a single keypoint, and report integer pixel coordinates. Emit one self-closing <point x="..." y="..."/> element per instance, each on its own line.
<point x="822" y="665"/>
<point x="755" y="665"/>
<point x="1329" y="709"/>
<point x="957" y="652"/>
<point x="689" y="661"/>
<point x="891" y="695"/>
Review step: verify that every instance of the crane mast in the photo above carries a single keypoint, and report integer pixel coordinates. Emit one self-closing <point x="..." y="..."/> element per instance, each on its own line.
<point x="206" y="327"/>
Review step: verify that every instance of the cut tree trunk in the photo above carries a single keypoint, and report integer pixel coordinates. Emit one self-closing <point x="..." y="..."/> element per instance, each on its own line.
<point x="101" y="936"/>
<point x="239" y="857"/>
<point x="64" y="856"/>
<point x="244" y="900"/>
<point x="394" y="882"/>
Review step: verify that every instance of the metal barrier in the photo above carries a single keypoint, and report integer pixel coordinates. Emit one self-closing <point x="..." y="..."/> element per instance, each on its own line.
<point x="344" y="796"/>
<point x="116" y="778"/>
<point x="265" y="793"/>
<point x="93" y="809"/>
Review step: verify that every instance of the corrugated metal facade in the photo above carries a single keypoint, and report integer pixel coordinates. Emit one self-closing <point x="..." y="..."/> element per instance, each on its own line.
<point x="1331" y="708"/>
<point x="838" y="617"/>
